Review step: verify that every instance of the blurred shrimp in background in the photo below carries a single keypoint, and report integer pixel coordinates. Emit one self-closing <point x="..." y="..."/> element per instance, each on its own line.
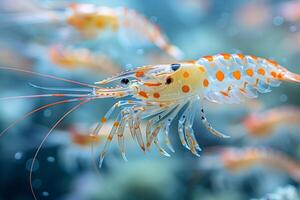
<point x="93" y="22"/>
<point x="89" y="40"/>
<point x="259" y="168"/>
<point x="82" y="58"/>
<point x="265" y="123"/>
<point x="254" y="15"/>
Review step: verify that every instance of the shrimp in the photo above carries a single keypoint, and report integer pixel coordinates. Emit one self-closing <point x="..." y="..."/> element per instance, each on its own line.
<point x="75" y="58"/>
<point x="262" y="124"/>
<point x="158" y="93"/>
<point x="236" y="160"/>
<point x="91" y="22"/>
<point x="83" y="139"/>
<point x="241" y="159"/>
<point x="130" y="25"/>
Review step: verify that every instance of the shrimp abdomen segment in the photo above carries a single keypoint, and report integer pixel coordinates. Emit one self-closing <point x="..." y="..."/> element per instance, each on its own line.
<point x="230" y="77"/>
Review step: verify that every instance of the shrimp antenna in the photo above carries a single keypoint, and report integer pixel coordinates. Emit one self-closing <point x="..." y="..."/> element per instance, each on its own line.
<point x="36" y="110"/>
<point x="62" y="89"/>
<point x="44" y="95"/>
<point x="49" y="76"/>
<point x="45" y="138"/>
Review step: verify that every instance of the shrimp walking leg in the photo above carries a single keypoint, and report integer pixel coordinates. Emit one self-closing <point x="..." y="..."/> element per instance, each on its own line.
<point x="138" y="133"/>
<point x="160" y="149"/>
<point x="167" y="139"/>
<point x="120" y="133"/>
<point x="209" y="127"/>
<point x="189" y="132"/>
<point x="108" y="114"/>
<point x="109" y="138"/>
<point x="181" y="123"/>
<point x="155" y="120"/>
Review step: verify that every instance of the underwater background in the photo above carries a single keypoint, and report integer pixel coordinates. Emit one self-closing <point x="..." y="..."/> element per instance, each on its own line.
<point x="261" y="160"/>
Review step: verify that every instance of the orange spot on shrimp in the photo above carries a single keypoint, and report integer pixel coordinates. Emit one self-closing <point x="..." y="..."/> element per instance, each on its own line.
<point x="220" y="75"/>
<point x="88" y="17"/>
<point x="224" y="93"/>
<point x="279" y="76"/>
<point x="273" y="74"/>
<point x="143" y="94"/>
<point x="116" y="124"/>
<point x="209" y="58"/>
<point x="73" y="5"/>
<point x="58" y="95"/>
<point x="253" y="57"/>
<point x="103" y="120"/>
<point x="100" y="23"/>
<point x="273" y="62"/>
<point x="185" y="88"/>
<point x="156" y="95"/>
<point x="261" y="71"/>
<point x="241" y="56"/>
<point x="186" y="74"/>
<point x="139" y="73"/>
<point x="201" y="69"/>
<point x="152" y="84"/>
<point x="236" y="75"/>
<point x="205" y="83"/>
<point x="243" y="91"/>
<point x="249" y="72"/>
<point x="110" y="138"/>
<point x="226" y="56"/>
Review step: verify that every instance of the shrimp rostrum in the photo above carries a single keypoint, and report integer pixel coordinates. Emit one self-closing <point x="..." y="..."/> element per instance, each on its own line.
<point x="158" y="93"/>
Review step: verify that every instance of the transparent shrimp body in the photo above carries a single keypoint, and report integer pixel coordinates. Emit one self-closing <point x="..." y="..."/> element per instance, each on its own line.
<point x="157" y="94"/>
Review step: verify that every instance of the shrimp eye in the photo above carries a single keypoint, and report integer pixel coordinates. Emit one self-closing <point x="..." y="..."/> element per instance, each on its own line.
<point x="175" y="66"/>
<point x="169" y="80"/>
<point x="125" y="81"/>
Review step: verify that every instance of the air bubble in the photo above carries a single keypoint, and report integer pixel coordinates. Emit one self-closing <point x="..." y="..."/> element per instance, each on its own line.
<point x="278" y="20"/>
<point x="283" y="98"/>
<point x="51" y="159"/>
<point x="45" y="194"/>
<point x="18" y="155"/>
